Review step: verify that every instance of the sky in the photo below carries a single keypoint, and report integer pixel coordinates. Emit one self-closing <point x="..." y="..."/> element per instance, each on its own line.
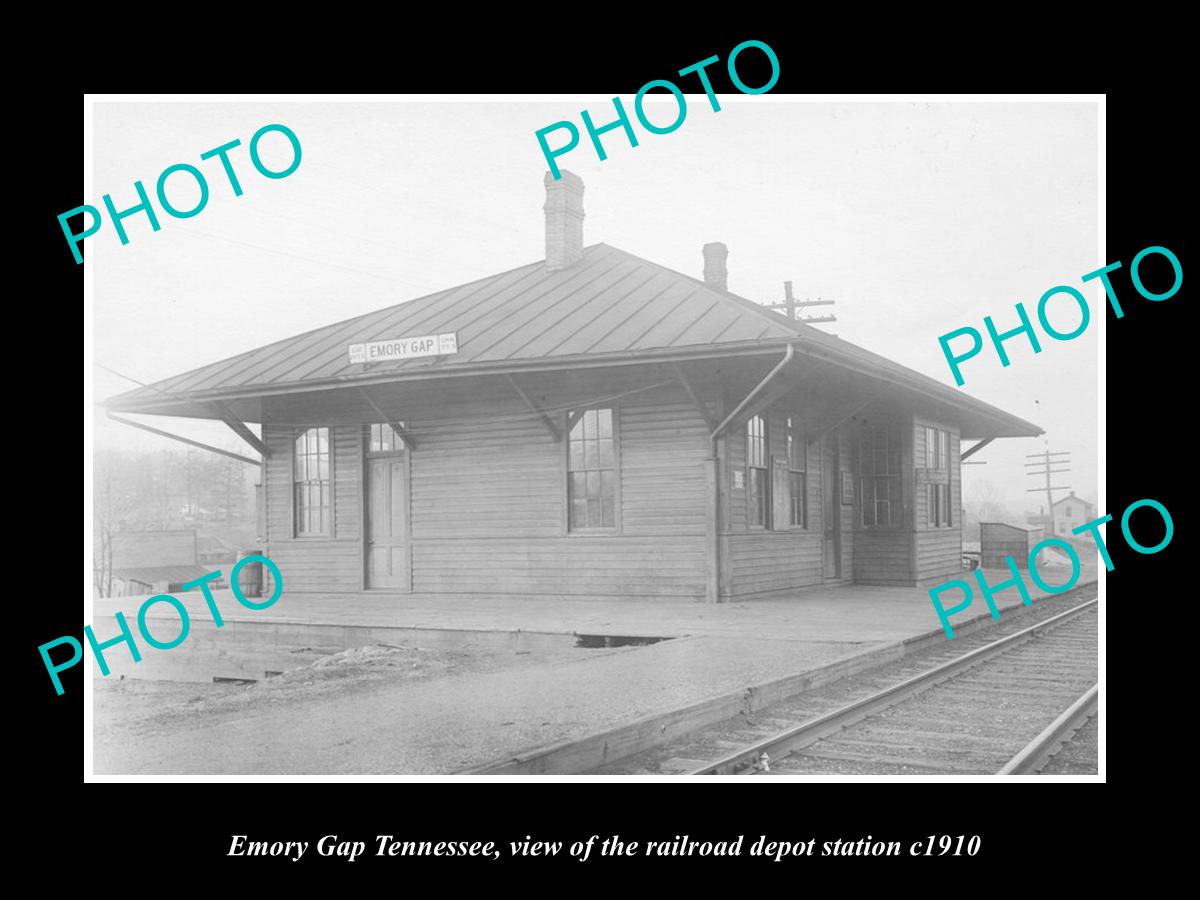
<point x="916" y="218"/>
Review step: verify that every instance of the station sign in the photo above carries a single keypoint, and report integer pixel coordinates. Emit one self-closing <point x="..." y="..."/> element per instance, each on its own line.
<point x="404" y="348"/>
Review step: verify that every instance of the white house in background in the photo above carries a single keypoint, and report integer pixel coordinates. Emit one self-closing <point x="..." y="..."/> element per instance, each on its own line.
<point x="1069" y="513"/>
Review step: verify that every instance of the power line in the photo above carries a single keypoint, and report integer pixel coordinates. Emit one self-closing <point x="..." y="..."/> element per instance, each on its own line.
<point x="1046" y="460"/>
<point x="791" y="307"/>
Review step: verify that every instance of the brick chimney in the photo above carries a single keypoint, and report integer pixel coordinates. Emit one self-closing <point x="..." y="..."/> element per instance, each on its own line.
<point x="564" y="220"/>
<point x="715" y="274"/>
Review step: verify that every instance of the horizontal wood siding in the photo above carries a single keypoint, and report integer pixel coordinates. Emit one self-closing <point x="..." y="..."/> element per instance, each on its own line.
<point x="315" y="564"/>
<point x="956" y="481"/>
<point x="939" y="553"/>
<point x="475" y="477"/>
<point x="564" y="566"/>
<point x="312" y="565"/>
<point x="775" y="561"/>
<point x="761" y="560"/>
<point x="664" y="444"/>
<point x="883" y="556"/>
<point x="735" y="461"/>
<point x="938" y="549"/>
<point x="489" y="495"/>
<point x="347" y="483"/>
<point x="846" y="456"/>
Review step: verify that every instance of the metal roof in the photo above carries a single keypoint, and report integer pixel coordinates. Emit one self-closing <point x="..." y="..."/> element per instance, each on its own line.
<point x="612" y="305"/>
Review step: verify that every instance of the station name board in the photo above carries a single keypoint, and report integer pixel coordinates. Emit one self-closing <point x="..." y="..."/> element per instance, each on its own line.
<point x="933" y="476"/>
<point x="404" y="348"/>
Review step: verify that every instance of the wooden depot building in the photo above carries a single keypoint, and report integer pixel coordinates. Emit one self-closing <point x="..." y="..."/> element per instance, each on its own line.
<point x="592" y="424"/>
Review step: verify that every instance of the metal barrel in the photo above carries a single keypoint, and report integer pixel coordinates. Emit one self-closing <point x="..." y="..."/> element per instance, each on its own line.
<point x="250" y="576"/>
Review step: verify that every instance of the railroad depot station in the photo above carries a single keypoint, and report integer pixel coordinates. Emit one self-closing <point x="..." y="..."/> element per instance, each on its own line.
<point x="592" y="443"/>
<point x="604" y="427"/>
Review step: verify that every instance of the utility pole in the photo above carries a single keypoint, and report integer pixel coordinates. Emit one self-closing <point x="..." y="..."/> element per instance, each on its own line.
<point x="1044" y="465"/>
<point x="791" y="306"/>
<point x="188" y="468"/>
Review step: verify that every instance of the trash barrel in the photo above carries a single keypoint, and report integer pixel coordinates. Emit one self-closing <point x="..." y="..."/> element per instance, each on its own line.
<point x="250" y="576"/>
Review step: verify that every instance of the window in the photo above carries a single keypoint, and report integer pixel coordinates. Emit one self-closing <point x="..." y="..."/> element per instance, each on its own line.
<point x="937" y="490"/>
<point x="592" y="469"/>
<point x="797" y="455"/>
<point x="879" y="461"/>
<point x="311" y="483"/>
<point x="756" y="472"/>
<point x="384" y="439"/>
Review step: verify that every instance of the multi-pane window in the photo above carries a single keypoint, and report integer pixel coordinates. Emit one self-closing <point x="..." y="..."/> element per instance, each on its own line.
<point x="797" y="455"/>
<point x="592" y="469"/>
<point x="757" y="495"/>
<point x="937" y="491"/>
<point x="384" y="439"/>
<point x="311" y="482"/>
<point x="879" y="461"/>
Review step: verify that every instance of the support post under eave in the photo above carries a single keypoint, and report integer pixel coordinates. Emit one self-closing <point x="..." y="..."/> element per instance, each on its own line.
<point x="225" y="414"/>
<point x="713" y="483"/>
<point x="712" y="530"/>
<point x="971" y="452"/>
<point x="183" y="440"/>
<point x="399" y="430"/>
<point x="694" y="397"/>
<point x="749" y="398"/>
<point x="846" y="418"/>
<point x="533" y="407"/>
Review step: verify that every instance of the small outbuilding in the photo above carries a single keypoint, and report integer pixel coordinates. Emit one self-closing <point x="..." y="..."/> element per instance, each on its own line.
<point x="1001" y="539"/>
<point x="149" y="562"/>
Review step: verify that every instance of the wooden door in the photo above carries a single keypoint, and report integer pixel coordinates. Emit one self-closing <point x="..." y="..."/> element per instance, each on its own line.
<point x="387" y="522"/>
<point x="831" y="509"/>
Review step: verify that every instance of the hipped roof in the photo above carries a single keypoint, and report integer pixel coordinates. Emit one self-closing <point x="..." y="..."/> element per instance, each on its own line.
<point x="611" y="307"/>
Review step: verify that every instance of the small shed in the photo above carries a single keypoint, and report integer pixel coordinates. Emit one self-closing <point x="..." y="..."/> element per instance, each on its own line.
<point x="135" y="581"/>
<point x="1000" y="539"/>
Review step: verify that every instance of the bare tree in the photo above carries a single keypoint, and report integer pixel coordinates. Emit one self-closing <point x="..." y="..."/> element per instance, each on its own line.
<point x="113" y="501"/>
<point x="984" y="503"/>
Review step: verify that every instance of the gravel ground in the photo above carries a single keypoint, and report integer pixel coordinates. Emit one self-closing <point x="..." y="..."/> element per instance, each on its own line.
<point x="131" y="706"/>
<point x="147" y="707"/>
<point x="447" y="714"/>
<point x="1080" y="755"/>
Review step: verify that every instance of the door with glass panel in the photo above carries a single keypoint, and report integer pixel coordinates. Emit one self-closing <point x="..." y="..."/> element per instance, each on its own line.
<point x="386" y="493"/>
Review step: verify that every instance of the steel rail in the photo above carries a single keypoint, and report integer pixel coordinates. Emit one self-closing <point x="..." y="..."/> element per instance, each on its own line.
<point x="745" y="761"/>
<point x="1039" y="751"/>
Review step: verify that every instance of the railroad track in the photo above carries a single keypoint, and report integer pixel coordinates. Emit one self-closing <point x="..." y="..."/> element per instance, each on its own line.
<point x="1038" y="754"/>
<point x="1079" y="755"/>
<point x="999" y="706"/>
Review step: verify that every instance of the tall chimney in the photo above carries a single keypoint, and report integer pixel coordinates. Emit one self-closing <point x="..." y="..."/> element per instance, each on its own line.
<point x="715" y="274"/>
<point x="564" y="220"/>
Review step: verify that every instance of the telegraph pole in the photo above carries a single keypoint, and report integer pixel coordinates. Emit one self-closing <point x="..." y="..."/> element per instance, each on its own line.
<point x="791" y="306"/>
<point x="1044" y="465"/>
<point x="188" y="467"/>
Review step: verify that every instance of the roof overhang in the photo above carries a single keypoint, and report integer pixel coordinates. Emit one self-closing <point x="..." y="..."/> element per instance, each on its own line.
<point x="976" y="418"/>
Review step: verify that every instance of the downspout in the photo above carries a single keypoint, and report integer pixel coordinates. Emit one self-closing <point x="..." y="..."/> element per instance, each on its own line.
<point x="779" y="366"/>
<point x="714" y="469"/>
